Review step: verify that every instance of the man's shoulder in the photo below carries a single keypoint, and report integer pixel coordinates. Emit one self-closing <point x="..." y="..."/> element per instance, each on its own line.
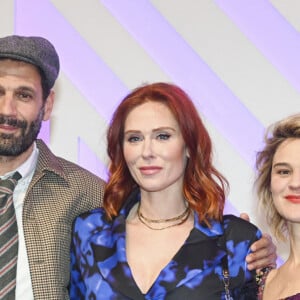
<point x="63" y="167"/>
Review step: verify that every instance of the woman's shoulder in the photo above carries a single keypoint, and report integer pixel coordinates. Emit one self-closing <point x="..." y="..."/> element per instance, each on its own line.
<point x="91" y="219"/>
<point x="272" y="286"/>
<point x="232" y="220"/>
<point x="240" y="227"/>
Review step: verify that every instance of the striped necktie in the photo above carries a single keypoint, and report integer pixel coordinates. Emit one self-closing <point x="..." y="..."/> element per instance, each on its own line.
<point x="8" y="238"/>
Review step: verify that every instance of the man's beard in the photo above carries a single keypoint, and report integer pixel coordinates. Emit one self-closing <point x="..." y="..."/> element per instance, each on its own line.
<point x="11" y="145"/>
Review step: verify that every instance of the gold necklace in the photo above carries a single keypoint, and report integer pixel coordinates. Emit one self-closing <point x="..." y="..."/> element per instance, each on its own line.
<point x="182" y="215"/>
<point x="181" y="218"/>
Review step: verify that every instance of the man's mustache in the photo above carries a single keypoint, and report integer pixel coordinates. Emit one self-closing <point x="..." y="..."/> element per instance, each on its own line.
<point x="12" y="122"/>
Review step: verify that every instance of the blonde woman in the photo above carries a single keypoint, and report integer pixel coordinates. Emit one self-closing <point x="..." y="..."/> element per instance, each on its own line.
<point x="278" y="189"/>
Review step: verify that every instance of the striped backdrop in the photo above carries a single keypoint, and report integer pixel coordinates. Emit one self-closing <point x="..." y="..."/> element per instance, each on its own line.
<point x="238" y="60"/>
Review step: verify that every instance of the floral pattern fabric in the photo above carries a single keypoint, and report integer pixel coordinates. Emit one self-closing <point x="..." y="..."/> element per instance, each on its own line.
<point x="99" y="268"/>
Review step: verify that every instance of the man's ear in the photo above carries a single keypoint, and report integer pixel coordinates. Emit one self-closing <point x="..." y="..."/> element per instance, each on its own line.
<point x="48" y="106"/>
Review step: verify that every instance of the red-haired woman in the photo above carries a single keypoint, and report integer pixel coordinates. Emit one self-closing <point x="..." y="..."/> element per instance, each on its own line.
<point x="161" y="233"/>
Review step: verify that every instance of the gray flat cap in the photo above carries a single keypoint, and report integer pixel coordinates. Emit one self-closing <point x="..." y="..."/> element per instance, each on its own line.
<point x="34" y="50"/>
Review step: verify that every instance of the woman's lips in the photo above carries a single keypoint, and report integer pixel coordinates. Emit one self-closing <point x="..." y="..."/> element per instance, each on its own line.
<point x="293" y="198"/>
<point x="150" y="170"/>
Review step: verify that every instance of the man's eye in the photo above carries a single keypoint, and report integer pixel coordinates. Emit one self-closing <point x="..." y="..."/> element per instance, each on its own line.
<point x="24" y="96"/>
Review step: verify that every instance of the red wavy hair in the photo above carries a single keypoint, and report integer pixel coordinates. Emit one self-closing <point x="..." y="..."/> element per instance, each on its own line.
<point x="204" y="187"/>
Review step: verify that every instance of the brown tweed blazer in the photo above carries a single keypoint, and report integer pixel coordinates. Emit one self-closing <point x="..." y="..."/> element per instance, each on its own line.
<point x="58" y="192"/>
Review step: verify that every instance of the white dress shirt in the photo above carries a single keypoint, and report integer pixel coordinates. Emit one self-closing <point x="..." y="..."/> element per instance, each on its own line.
<point x="24" y="286"/>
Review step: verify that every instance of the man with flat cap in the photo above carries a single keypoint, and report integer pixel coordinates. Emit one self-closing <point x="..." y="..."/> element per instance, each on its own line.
<point x="51" y="191"/>
<point x="40" y="193"/>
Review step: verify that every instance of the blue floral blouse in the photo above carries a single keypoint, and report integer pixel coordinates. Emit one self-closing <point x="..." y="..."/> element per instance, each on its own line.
<point x="99" y="268"/>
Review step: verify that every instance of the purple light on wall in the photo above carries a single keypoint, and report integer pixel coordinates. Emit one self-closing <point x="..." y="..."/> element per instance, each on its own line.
<point x="274" y="36"/>
<point x="45" y="132"/>
<point x="87" y="159"/>
<point x="89" y="74"/>
<point x="186" y="68"/>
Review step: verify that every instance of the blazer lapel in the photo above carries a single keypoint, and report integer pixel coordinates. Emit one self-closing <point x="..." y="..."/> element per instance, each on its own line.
<point x="112" y="264"/>
<point x="198" y="257"/>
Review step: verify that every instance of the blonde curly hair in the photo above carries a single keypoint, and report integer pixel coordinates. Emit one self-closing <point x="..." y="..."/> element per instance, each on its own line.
<point x="276" y="134"/>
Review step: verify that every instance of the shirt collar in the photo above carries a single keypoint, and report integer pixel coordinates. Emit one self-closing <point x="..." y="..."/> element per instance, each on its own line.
<point x="27" y="167"/>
